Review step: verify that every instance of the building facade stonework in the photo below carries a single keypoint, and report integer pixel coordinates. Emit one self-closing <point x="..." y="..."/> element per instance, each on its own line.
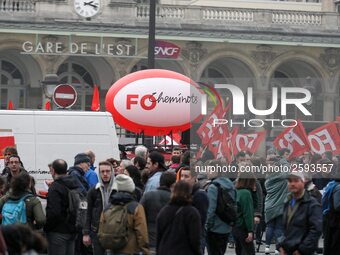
<point x="262" y="45"/>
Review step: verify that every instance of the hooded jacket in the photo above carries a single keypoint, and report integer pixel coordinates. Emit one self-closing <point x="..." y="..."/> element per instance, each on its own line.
<point x="95" y="205"/>
<point x="277" y="191"/>
<point x="80" y="176"/>
<point x="57" y="205"/>
<point x="138" y="233"/>
<point x="214" y="223"/>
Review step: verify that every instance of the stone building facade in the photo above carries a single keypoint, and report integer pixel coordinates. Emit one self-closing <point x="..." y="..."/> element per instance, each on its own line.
<point x="262" y="44"/>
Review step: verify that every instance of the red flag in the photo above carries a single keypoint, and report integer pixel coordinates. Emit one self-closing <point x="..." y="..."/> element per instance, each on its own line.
<point x="6" y="139"/>
<point x="338" y="119"/>
<point x="219" y="144"/>
<point x="95" y="100"/>
<point x="10" y="105"/>
<point x="248" y="142"/>
<point x="207" y="129"/>
<point x="48" y="105"/>
<point x="294" y="139"/>
<point x="325" y="138"/>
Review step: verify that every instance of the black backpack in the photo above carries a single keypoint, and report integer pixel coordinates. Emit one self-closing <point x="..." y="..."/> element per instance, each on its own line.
<point x="77" y="207"/>
<point x="226" y="206"/>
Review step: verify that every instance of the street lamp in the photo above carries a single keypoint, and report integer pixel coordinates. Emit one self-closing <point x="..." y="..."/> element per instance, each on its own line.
<point x="48" y="84"/>
<point x="152" y="33"/>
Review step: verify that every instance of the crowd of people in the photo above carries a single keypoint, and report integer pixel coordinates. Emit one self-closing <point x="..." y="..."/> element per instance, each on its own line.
<point x="145" y="205"/>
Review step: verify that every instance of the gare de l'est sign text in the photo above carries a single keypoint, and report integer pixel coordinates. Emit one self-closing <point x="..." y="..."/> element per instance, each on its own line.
<point x="162" y="49"/>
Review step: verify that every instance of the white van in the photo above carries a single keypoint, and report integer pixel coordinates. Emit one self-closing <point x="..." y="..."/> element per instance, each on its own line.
<point x="42" y="136"/>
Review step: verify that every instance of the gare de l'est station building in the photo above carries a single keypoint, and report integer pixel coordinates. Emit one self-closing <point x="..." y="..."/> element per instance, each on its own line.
<point x="251" y="44"/>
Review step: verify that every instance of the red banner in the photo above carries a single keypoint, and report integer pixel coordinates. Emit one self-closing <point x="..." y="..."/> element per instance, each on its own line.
<point x="207" y="130"/>
<point x="219" y="145"/>
<point x="294" y="139"/>
<point x="325" y="138"/>
<point x="6" y="139"/>
<point x="247" y="142"/>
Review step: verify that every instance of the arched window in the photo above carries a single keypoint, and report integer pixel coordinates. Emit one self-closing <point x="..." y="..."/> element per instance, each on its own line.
<point x="77" y="76"/>
<point x="11" y="85"/>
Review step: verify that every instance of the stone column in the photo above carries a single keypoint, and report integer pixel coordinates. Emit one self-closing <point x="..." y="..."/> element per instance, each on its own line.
<point x="328" y="107"/>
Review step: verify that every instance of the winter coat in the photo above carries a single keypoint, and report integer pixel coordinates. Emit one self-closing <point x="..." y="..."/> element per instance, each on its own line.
<point x="201" y="202"/>
<point x="153" y="181"/>
<point x="313" y="191"/>
<point x="80" y="176"/>
<point x="57" y="205"/>
<point x="214" y="223"/>
<point x="138" y="233"/>
<point x="91" y="177"/>
<point x="34" y="212"/>
<point x="277" y="191"/>
<point x="332" y="224"/>
<point x="259" y="205"/>
<point x="153" y="202"/>
<point x="304" y="229"/>
<point x="178" y="230"/>
<point x="245" y="210"/>
<point x="95" y="205"/>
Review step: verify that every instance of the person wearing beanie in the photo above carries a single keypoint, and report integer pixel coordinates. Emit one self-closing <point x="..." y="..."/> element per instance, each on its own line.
<point x="156" y="166"/>
<point x="138" y="234"/>
<point x="81" y="166"/>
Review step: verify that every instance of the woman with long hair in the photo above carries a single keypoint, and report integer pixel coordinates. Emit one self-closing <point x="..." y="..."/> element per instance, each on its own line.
<point x="179" y="224"/>
<point x="243" y="231"/>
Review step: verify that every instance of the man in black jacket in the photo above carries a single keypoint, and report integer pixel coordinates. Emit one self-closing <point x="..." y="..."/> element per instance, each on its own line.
<point x="153" y="201"/>
<point x="302" y="219"/>
<point x="97" y="200"/>
<point x="60" y="233"/>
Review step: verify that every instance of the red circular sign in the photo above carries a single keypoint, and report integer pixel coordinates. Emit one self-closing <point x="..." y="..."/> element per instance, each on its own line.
<point x="64" y="96"/>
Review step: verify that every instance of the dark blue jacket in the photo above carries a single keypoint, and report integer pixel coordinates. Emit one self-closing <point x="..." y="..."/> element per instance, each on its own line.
<point x="305" y="228"/>
<point x="77" y="172"/>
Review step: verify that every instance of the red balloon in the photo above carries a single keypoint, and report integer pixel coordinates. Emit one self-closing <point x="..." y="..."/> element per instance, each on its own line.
<point x="155" y="101"/>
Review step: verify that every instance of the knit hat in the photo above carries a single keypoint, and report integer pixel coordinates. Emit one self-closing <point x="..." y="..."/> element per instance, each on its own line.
<point x="297" y="174"/>
<point x="123" y="182"/>
<point x="81" y="158"/>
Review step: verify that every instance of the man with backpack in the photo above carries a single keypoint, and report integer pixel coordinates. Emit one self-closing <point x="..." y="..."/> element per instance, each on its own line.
<point x="122" y="227"/>
<point x="98" y="199"/>
<point x="221" y="211"/>
<point x="331" y="216"/>
<point x="60" y="225"/>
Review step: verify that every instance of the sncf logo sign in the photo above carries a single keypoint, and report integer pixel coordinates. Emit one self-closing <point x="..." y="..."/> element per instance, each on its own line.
<point x="166" y="50"/>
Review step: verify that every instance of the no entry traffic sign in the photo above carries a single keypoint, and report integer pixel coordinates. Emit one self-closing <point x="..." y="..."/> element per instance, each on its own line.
<point x="64" y="96"/>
